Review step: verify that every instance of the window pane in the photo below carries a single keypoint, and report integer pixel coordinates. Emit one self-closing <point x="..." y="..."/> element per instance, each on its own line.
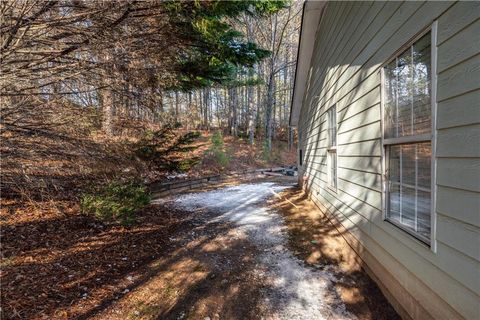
<point x="391" y="99"/>
<point x="409" y="185"/>
<point x="424" y="160"/>
<point x="408" y="164"/>
<point x="404" y="71"/>
<point x="423" y="213"/>
<point x="407" y="88"/>
<point x="394" y="202"/>
<point x="408" y="207"/>
<point x="332" y="126"/>
<point x="332" y="169"/>
<point x="421" y="83"/>
<point x="394" y="164"/>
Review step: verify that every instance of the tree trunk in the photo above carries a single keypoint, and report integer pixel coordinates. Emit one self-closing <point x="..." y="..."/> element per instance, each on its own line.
<point x="107" y="98"/>
<point x="107" y="111"/>
<point x="268" y="114"/>
<point x="177" y="107"/>
<point x="250" y="111"/>
<point x="233" y="111"/>
<point x="206" y="100"/>
<point x="290" y="138"/>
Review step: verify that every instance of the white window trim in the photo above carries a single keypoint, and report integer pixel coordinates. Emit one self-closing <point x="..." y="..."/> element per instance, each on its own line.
<point x="332" y="149"/>
<point x="432" y="243"/>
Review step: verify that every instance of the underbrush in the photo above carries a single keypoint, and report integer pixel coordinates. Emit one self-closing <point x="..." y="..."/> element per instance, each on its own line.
<point x="115" y="201"/>
<point x="165" y="149"/>
<point x="216" y="150"/>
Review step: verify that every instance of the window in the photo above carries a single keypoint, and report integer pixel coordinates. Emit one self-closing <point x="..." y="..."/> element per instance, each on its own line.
<point x="407" y="91"/>
<point x="332" y="147"/>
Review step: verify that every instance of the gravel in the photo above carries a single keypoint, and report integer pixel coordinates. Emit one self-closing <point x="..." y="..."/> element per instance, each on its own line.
<point x="295" y="290"/>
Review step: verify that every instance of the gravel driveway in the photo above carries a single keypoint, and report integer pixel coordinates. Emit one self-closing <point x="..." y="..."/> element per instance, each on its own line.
<point x="295" y="290"/>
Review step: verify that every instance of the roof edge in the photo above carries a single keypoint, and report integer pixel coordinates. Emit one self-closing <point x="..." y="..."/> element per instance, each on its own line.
<point x="311" y="17"/>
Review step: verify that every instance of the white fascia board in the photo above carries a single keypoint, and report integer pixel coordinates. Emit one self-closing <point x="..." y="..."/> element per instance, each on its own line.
<point x="312" y="12"/>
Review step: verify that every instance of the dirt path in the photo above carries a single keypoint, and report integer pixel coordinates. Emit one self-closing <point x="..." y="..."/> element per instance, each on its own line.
<point x="293" y="291"/>
<point x="237" y="262"/>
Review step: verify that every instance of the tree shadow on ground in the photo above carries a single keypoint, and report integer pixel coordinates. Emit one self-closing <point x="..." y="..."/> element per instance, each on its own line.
<point x="172" y="264"/>
<point x="315" y="239"/>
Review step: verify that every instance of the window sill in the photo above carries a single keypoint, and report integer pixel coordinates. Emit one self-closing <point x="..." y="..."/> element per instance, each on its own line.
<point x="418" y="238"/>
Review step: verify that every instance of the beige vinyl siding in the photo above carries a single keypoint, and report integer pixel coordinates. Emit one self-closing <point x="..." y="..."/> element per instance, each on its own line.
<point x="354" y="40"/>
<point x="459" y="111"/>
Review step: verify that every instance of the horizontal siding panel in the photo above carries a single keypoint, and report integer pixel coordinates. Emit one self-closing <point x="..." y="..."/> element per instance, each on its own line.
<point x="368" y="100"/>
<point x="326" y="206"/>
<point x="459" y="142"/>
<point x="463" y="237"/>
<point x="377" y="23"/>
<point x="334" y="12"/>
<point x="372" y="197"/>
<point x="365" y="85"/>
<point x="380" y="36"/>
<point x="367" y="164"/>
<point x="368" y="116"/>
<point x="355" y="204"/>
<point x="460" y="79"/>
<point x="419" y="19"/>
<point x="363" y="148"/>
<point x="369" y="180"/>
<point x="462" y="46"/>
<point x="459" y="204"/>
<point x="355" y="13"/>
<point x="342" y="211"/>
<point x="456" y="18"/>
<point x="459" y="173"/>
<point x="444" y="280"/>
<point x="352" y="37"/>
<point x="368" y="132"/>
<point x="358" y="206"/>
<point x="459" y="111"/>
<point x="451" y="261"/>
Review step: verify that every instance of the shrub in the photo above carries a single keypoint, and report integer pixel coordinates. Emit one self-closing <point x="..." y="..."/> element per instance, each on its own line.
<point x="266" y="154"/>
<point x="216" y="150"/>
<point x="115" y="201"/>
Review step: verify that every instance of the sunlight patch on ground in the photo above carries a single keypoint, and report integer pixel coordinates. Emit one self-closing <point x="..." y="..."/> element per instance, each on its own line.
<point x="295" y="291"/>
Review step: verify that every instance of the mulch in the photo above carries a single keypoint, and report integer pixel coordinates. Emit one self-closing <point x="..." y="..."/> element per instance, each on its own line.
<point x="313" y="239"/>
<point x="69" y="264"/>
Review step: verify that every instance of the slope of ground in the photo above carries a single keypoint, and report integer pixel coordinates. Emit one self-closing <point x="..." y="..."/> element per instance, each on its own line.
<point x="57" y="262"/>
<point x="247" y="251"/>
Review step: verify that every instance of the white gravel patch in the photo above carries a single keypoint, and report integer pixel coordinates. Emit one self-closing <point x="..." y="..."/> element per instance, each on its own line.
<point x="294" y="291"/>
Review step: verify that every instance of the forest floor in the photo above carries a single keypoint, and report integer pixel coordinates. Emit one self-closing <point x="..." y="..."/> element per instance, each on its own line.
<point x="256" y="250"/>
<point x="55" y="261"/>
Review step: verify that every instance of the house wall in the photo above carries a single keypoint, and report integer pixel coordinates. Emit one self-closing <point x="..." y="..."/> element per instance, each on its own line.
<point x="353" y="41"/>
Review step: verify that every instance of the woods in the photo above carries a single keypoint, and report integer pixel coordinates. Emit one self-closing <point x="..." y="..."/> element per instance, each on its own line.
<point x="208" y="64"/>
<point x="86" y="86"/>
<point x="100" y="100"/>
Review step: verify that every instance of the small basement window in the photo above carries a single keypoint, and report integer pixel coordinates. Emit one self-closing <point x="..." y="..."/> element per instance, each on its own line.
<point x="407" y="103"/>
<point x="332" y="147"/>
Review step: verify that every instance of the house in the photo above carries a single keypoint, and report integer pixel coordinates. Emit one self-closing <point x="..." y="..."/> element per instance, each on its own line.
<point x="387" y="106"/>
